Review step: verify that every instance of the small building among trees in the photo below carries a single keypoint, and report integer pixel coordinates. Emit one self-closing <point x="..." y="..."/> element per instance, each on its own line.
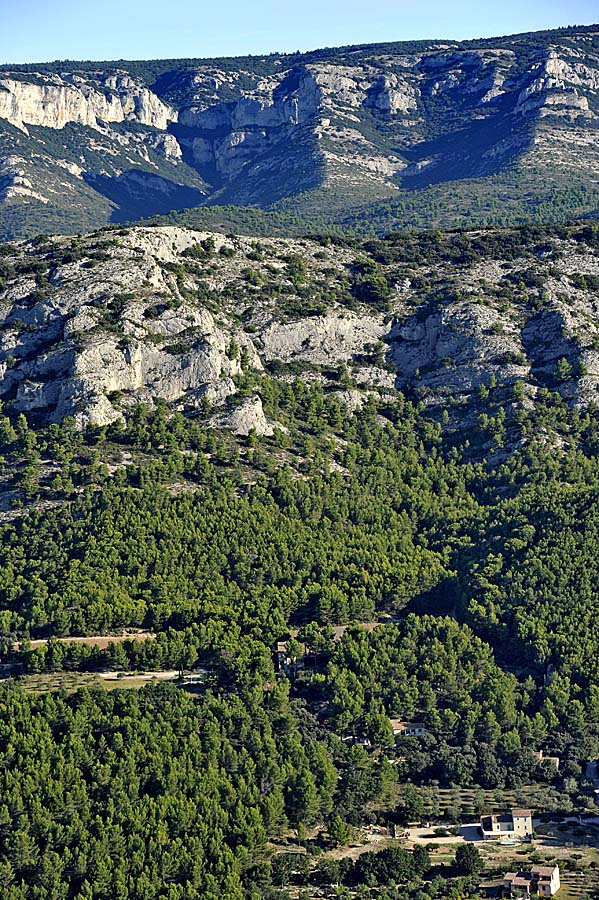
<point x="542" y="881"/>
<point x="408" y="729"/>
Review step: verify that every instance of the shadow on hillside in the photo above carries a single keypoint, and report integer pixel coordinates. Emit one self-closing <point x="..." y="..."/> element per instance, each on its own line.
<point x="138" y="194"/>
<point x="480" y="149"/>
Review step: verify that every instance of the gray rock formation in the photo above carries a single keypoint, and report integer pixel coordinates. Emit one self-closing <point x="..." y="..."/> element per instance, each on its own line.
<point x="52" y="101"/>
<point x="322" y="340"/>
<point x="68" y="355"/>
<point x="455" y="349"/>
<point x="357" y="126"/>
<point x="245" y="418"/>
<point x="92" y="326"/>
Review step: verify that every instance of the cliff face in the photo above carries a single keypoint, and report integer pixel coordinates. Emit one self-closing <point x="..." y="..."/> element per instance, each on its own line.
<point x="67" y="353"/>
<point x="55" y="101"/>
<point x="94" y="325"/>
<point x="351" y="127"/>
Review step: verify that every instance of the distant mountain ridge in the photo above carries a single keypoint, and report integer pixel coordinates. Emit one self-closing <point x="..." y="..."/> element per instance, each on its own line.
<point x="371" y="137"/>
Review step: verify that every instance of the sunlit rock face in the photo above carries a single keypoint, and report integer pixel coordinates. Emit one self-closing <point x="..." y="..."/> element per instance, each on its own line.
<point x="93" y="325"/>
<point x="336" y="130"/>
<point x="54" y="101"/>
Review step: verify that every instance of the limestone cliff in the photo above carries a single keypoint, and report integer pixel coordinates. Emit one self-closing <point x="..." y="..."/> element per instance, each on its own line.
<point x="92" y="326"/>
<point x="340" y="130"/>
<point x="55" y="100"/>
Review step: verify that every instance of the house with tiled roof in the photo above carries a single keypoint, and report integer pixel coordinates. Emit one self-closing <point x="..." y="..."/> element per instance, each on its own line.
<point x="538" y="881"/>
<point x="516" y="825"/>
<point x="408" y="729"/>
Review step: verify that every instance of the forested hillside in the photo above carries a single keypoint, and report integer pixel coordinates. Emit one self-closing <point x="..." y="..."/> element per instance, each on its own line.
<point x="382" y="548"/>
<point x="221" y="547"/>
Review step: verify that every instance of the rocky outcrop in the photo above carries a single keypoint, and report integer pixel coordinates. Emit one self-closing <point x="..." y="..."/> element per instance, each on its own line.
<point x="229" y="135"/>
<point x="392" y="95"/>
<point x="322" y="340"/>
<point x="246" y="418"/>
<point x="353" y="400"/>
<point x="169" y="313"/>
<point x="67" y="355"/>
<point x="555" y="89"/>
<point x="86" y="377"/>
<point x="14" y="182"/>
<point x="454" y="350"/>
<point x="125" y="330"/>
<point x="52" y="101"/>
<point x="478" y="73"/>
<point x="167" y="145"/>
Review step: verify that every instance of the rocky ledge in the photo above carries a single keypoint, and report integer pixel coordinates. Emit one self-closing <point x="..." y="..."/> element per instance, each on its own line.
<point x="92" y="325"/>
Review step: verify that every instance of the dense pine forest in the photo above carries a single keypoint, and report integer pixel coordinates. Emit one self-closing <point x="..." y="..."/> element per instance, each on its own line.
<point x="475" y="557"/>
<point x="305" y="593"/>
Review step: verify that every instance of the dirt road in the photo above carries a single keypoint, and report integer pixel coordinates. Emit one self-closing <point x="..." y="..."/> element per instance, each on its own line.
<point x="96" y="640"/>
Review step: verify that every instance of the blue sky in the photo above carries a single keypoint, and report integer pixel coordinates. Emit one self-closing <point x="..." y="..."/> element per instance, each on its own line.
<point x="43" y="30"/>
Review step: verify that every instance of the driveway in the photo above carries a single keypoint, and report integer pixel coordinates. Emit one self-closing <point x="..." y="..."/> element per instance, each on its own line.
<point x="468" y="832"/>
